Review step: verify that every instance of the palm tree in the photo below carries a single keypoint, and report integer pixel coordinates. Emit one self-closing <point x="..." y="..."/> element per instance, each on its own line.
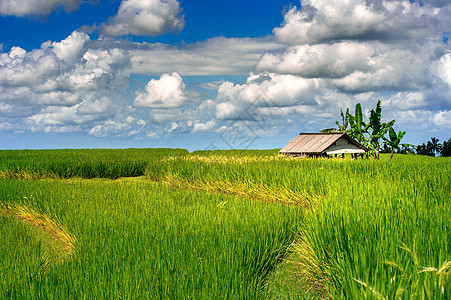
<point x="446" y="148"/>
<point x="431" y="148"/>
<point x="435" y="146"/>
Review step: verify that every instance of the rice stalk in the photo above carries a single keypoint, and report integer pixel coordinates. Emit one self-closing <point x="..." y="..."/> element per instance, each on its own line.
<point x="58" y="244"/>
<point x="247" y="190"/>
<point x="313" y="274"/>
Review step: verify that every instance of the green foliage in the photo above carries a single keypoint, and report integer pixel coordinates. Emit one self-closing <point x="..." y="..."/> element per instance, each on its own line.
<point x="394" y="139"/>
<point x="432" y="147"/>
<point x="446" y="148"/>
<point x="378" y="229"/>
<point x="82" y="163"/>
<point x="368" y="134"/>
<point x="344" y="121"/>
<point x="366" y="209"/>
<point x="358" y="126"/>
<point x="378" y="128"/>
<point x="142" y="240"/>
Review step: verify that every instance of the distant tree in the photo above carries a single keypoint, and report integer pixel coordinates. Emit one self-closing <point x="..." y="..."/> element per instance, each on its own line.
<point x="385" y="148"/>
<point x="421" y="149"/>
<point x="407" y="148"/>
<point x="446" y="148"/>
<point x="329" y="130"/>
<point x="431" y="148"/>
<point x="435" y="146"/>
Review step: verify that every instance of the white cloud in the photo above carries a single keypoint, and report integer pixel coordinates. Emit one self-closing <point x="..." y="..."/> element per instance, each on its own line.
<point x="443" y="68"/>
<point x="69" y="65"/>
<point x="229" y="110"/>
<point x="212" y="85"/>
<point x="265" y="89"/>
<point x="165" y="115"/>
<point x="406" y="66"/>
<point x="145" y="17"/>
<point x="318" y="62"/>
<point x="442" y="119"/>
<point x="59" y="116"/>
<point x="406" y="101"/>
<point x="17" y="52"/>
<point x="166" y="92"/>
<point x="21" y="8"/>
<point x="71" y="48"/>
<point x="21" y="68"/>
<point x="324" y="60"/>
<point x="128" y="127"/>
<point x="413" y="118"/>
<point x="216" y="56"/>
<point x="5" y="107"/>
<point x="321" y="20"/>
<point x="172" y="127"/>
<point x="96" y="106"/>
<point x="4" y="126"/>
<point x="64" y="86"/>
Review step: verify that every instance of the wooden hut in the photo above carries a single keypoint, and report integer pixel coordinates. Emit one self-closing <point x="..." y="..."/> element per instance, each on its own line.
<point x="321" y="144"/>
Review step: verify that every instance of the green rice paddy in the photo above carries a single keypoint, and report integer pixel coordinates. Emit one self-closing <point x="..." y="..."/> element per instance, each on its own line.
<point x="164" y="223"/>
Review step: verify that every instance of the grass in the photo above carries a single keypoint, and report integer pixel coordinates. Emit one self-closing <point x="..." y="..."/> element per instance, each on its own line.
<point x="84" y="163"/>
<point x="139" y="239"/>
<point x="57" y="243"/>
<point x="365" y="211"/>
<point x="216" y="223"/>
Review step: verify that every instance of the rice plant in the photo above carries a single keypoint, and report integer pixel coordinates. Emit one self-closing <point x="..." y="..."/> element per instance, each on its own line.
<point x="192" y="228"/>
<point x="139" y="239"/>
<point x="363" y="210"/>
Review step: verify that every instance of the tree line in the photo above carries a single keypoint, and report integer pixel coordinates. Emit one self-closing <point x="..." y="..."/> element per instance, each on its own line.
<point x="432" y="148"/>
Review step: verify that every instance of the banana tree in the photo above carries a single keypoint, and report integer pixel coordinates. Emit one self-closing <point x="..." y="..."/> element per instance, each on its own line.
<point x="344" y="121"/>
<point x="378" y="129"/>
<point x="394" y="139"/>
<point x="358" y="127"/>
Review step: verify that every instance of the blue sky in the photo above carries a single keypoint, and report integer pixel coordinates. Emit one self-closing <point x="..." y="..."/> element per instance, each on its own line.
<point x="217" y="74"/>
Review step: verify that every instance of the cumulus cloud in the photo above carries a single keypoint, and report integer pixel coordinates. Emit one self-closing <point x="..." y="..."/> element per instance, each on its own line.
<point x="265" y="89"/>
<point x="382" y="49"/>
<point x="326" y="56"/>
<point x="71" y="48"/>
<point x="321" y="21"/>
<point x="443" y="68"/>
<point x="21" y="8"/>
<point x="230" y="111"/>
<point x="128" y="127"/>
<point x="5" y="126"/>
<point x="324" y="60"/>
<point x="5" y="107"/>
<point x="394" y="67"/>
<point x="63" y="86"/>
<point x="406" y="101"/>
<point x="200" y="127"/>
<point x="331" y="63"/>
<point x="20" y="68"/>
<point x="145" y="17"/>
<point x="216" y="56"/>
<point x="166" y="92"/>
<point x="443" y="119"/>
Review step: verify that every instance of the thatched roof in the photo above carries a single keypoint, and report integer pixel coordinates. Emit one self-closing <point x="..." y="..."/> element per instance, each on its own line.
<point x="323" y="143"/>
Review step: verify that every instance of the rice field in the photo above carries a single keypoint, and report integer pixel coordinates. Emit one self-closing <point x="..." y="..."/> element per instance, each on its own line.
<point x="249" y="224"/>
